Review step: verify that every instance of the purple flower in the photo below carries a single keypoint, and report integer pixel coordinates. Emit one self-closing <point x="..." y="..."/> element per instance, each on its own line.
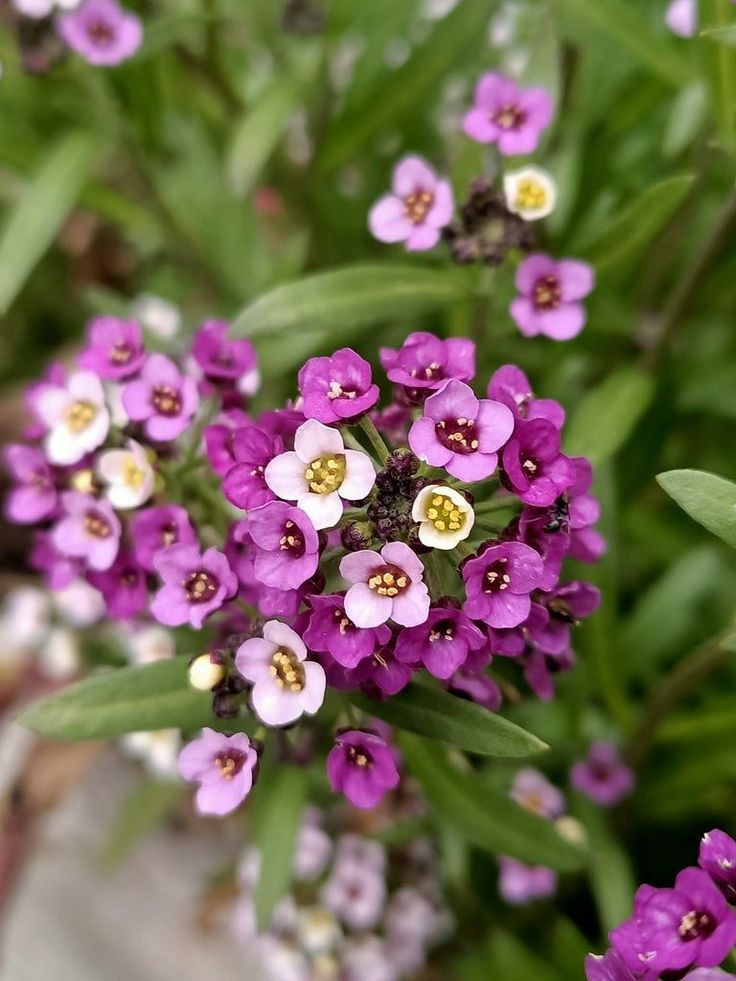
<point x="101" y="32"/>
<point x="195" y="584"/>
<point x="285" y="684"/>
<point x="520" y="884"/>
<point x="533" y="466"/>
<point x="88" y="529"/>
<point x="114" y="348"/>
<point x="330" y="630"/>
<point x="385" y="585"/>
<point x="586" y="544"/>
<point x="550" y="294"/>
<point x="223" y="359"/>
<point x="603" y="776"/>
<point x="154" y="529"/>
<point x="162" y="399"/>
<point x="441" y="643"/>
<point x="533" y="791"/>
<point x="34" y="496"/>
<point x="313" y="846"/>
<point x="419" y="206"/>
<point x="539" y="670"/>
<point x="380" y="675"/>
<point x="287" y="545"/>
<point x="393" y="423"/>
<point x="461" y="432"/>
<point x="511" y="386"/>
<point x="477" y="687"/>
<point x="218" y="439"/>
<point x="718" y="858"/>
<point x="498" y="582"/>
<point x="356" y="892"/>
<point x="337" y="388"/>
<point x="681" y="17"/>
<point x="363" y="767"/>
<point x="252" y="449"/>
<point x="224" y="767"/>
<point x="672" y="929"/>
<point x="319" y="473"/>
<point x="426" y="362"/>
<point x="123" y="587"/>
<point x="610" y="967"/>
<point x="59" y="570"/>
<point x="511" y="117"/>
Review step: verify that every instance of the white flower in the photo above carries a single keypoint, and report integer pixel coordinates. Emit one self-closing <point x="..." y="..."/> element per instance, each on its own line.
<point x="149" y="645"/>
<point x="530" y="193"/>
<point x="157" y="315"/>
<point x="319" y="473"/>
<point x="80" y="604"/>
<point x="59" y="658"/>
<point x="445" y="517"/>
<point x="318" y="931"/>
<point x="42" y="8"/>
<point x="128" y="475"/>
<point x="158" y="751"/>
<point x="76" y="417"/>
<point x="24" y="622"/>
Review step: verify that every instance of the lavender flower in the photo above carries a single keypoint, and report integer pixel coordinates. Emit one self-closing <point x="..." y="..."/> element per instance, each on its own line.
<point x="224" y="360"/>
<point x="603" y="776"/>
<point x="330" y="630"/>
<point x="285" y="684"/>
<point x="442" y="643"/>
<point x="155" y="529"/>
<point x="532" y="791"/>
<point x="337" y="388"/>
<point x="681" y="17"/>
<point x="123" y="587"/>
<point x="385" y="585"/>
<point x="195" y="584"/>
<point x="550" y="294"/>
<point x="287" y="545"/>
<point x="162" y="399"/>
<point x="419" y="206"/>
<point x="34" y="496"/>
<point x="478" y="688"/>
<point x="223" y="766"/>
<point x="511" y="386"/>
<point x="511" y="117"/>
<point x="356" y="893"/>
<point x="101" y="32"/>
<point x="363" y="767"/>
<point x="520" y="884"/>
<point x="88" y="529"/>
<point x="461" y="432"/>
<point x="498" y="582"/>
<point x="426" y="362"/>
<point x="114" y="348"/>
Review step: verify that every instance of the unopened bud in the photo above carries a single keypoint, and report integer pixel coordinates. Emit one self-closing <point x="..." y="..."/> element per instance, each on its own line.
<point x="207" y="671"/>
<point x="356" y="535"/>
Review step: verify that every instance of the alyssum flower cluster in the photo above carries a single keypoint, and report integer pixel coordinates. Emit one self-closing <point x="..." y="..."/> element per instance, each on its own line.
<point x="419" y="210"/>
<point x="314" y="553"/>
<point x="680" y="932"/>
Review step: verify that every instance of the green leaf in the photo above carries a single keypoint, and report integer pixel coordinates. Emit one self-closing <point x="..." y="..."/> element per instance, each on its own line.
<point x="609" y="868"/>
<point x="41" y="208"/>
<point x="686" y="118"/>
<point x="439" y="715"/>
<point x="154" y="696"/>
<point x="146" y="806"/>
<point x="484" y="816"/>
<point x="351" y="297"/>
<point x="626" y="237"/>
<point x="622" y="24"/>
<point x="721" y="35"/>
<point x="278" y="802"/>
<point x="606" y="417"/>
<point x="398" y="92"/>
<point x="708" y="499"/>
<point x="719" y="66"/>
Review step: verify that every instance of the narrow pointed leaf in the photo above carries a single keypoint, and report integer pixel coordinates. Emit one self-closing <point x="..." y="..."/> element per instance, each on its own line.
<point x="147" y="805"/>
<point x="606" y="417"/>
<point x="708" y="499"/>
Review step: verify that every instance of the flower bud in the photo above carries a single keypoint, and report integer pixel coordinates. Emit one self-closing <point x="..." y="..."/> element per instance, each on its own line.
<point x="356" y="535"/>
<point x="207" y="671"/>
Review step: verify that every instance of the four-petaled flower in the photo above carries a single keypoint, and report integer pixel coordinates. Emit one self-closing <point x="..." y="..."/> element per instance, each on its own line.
<point x="418" y="208"/>
<point x="385" y="585"/>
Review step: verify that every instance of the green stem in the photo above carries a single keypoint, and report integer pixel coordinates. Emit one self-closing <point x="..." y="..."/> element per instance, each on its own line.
<point x="496" y="504"/>
<point x="464" y="550"/>
<point x="375" y="439"/>
<point x="433" y="576"/>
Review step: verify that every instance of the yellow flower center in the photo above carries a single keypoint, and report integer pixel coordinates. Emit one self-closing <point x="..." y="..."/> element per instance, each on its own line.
<point x="287" y="670"/>
<point x="530" y="194"/>
<point x="417" y="205"/>
<point x="133" y="476"/>
<point x="444" y="514"/>
<point x="325" y="474"/>
<point x="388" y="580"/>
<point x="80" y="416"/>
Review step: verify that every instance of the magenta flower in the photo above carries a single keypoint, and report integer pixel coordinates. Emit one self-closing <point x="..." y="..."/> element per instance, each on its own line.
<point x="533" y="791"/>
<point x="285" y="684"/>
<point x="101" y="31"/>
<point x="603" y="776"/>
<point x="218" y="439"/>
<point x="461" y="432"/>
<point x="319" y="473"/>
<point x="549" y="296"/>
<point x="330" y="630"/>
<point x="380" y="675"/>
<point x="441" y="643"/>
<point x="511" y="117"/>
<point x="498" y="582"/>
<point x="511" y="386"/>
<point x="225" y="768"/>
<point x="88" y="529"/>
<point x="533" y="466"/>
<point x="162" y="399"/>
<point x="610" y="967"/>
<point x="123" y="587"/>
<point x="245" y="482"/>
<point x="363" y="767"/>
<point x="195" y="584"/>
<point x="287" y="545"/>
<point x="418" y="208"/>
<point x="673" y="929"/>
<point x="520" y="884"/>
<point x="114" y="348"/>
<point x="586" y="544"/>
<point x="478" y="687"/>
<point x="223" y="359"/>
<point x="337" y="388"/>
<point x="717" y="857"/>
<point x="384" y="586"/>
<point x="426" y="362"/>
<point x="154" y="529"/>
<point x="34" y="496"/>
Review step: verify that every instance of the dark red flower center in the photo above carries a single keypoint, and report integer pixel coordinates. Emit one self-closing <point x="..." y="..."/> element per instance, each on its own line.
<point x="344" y="623"/>
<point x="120" y="353"/>
<point x="229" y="763"/>
<point x="166" y="400"/>
<point x="459" y="435"/>
<point x="389" y="580"/>
<point x="696" y="925"/>
<point x="292" y="540"/>
<point x="547" y="293"/>
<point x="509" y="117"/>
<point x="200" y="586"/>
<point x="496" y="578"/>
<point x="442" y="630"/>
<point x="96" y="525"/>
<point x="359" y="756"/>
<point x="101" y="32"/>
<point x="168" y="534"/>
<point x="416" y="206"/>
